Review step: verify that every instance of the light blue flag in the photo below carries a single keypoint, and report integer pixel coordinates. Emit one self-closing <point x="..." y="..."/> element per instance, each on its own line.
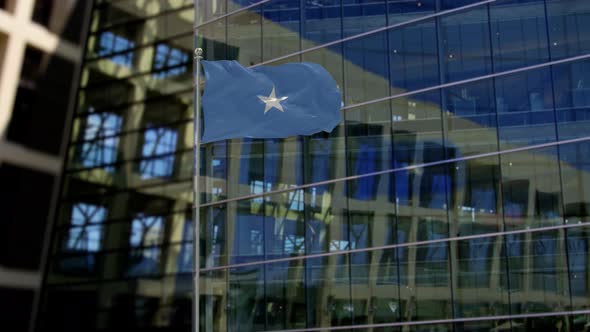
<point x="268" y="101"/>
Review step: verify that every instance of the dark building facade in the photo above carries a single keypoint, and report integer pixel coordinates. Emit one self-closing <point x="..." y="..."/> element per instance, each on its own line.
<point x="40" y="56"/>
<point x="454" y="195"/>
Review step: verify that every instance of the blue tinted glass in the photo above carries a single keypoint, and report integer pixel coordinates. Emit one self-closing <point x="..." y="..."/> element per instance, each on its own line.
<point x="322" y="22"/>
<point x="362" y="15"/>
<point x="572" y="98"/>
<point x="414" y="57"/>
<point x="366" y="70"/>
<point x="578" y="253"/>
<point x="525" y="108"/>
<point x="403" y="10"/>
<point x="471" y="118"/>
<point x="417" y="137"/>
<point x="451" y="4"/>
<point x="434" y="183"/>
<point x="368" y="145"/>
<point x="569" y="27"/>
<point x="465" y="45"/>
<point x="519" y="34"/>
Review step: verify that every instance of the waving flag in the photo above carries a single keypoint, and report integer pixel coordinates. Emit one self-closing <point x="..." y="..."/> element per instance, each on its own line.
<point x="268" y="101"/>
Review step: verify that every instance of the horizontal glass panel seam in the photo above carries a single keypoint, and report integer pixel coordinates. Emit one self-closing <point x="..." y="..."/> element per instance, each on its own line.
<point x="132" y="160"/>
<point x="396" y="246"/>
<point x="136" y="75"/>
<point x="125" y="220"/>
<point x="466" y="81"/>
<point x="138" y="47"/>
<point x="401" y="169"/>
<point x="154" y="276"/>
<point x="237" y="11"/>
<point x="111" y="108"/>
<point x="117" y="250"/>
<point x="375" y="31"/>
<point x="162" y="182"/>
<point x="469" y="80"/>
<point x="130" y="131"/>
<point x="440" y="321"/>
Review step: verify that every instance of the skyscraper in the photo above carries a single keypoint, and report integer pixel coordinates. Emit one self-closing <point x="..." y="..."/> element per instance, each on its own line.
<point x="453" y="196"/>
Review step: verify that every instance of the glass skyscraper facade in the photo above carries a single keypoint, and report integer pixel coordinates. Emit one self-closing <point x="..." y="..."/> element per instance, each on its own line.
<point x="454" y="195"/>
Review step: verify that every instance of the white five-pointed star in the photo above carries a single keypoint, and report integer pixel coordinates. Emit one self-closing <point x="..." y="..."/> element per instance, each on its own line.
<point x="272" y="101"/>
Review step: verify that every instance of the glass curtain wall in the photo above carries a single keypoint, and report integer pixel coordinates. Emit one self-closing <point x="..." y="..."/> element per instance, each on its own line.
<point x="454" y="195"/>
<point x="468" y="120"/>
<point x="120" y="256"/>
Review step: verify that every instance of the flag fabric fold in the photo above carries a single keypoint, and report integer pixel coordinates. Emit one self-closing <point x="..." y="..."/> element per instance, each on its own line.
<point x="268" y="101"/>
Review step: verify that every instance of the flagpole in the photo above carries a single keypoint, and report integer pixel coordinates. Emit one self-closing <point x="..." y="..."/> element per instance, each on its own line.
<point x="196" y="191"/>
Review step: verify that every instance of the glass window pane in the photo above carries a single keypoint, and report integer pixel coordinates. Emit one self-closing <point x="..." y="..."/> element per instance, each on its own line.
<point x="475" y="191"/>
<point x="428" y="293"/>
<point x="322" y="22"/>
<point x="465" y="45"/>
<point x="470" y="118"/>
<point x="280" y="28"/>
<point x="519" y="33"/>
<point x="572" y="98"/>
<point x="366" y="69"/>
<point x="525" y="108"/>
<point x="244" y="33"/>
<point x="368" y="145"/>
<point x="245" y="302"/>
<point x="213" y="41"/>
<point x="400" y="11"/>
<point x="569" y="24"/>
<point x="531" y="189"/>
<point x="213" y="306"/>
<point x="478" y="272"/>
<point x="537" y="269"/>
<point x="414" y="57"/>
<point x="362" y="15"/>
<point x="417" y="126"/>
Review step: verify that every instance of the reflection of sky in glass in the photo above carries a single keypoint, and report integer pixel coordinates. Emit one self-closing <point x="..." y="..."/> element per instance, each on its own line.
<point x="158" y="141"/>
<point x="85" y="233"/>
<point x="99" y="151"/>
<point x="111" y="43"/>
<point x="147" y="233"/>
<point x="169" y="57"/>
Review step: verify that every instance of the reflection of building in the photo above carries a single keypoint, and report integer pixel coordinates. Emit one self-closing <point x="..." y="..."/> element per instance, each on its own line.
<point x="459" y="234"/>
<point x="40" y="56"/>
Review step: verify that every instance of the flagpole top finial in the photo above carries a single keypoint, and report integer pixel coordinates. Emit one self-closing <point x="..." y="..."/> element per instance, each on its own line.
<point x="198" y="52"/>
